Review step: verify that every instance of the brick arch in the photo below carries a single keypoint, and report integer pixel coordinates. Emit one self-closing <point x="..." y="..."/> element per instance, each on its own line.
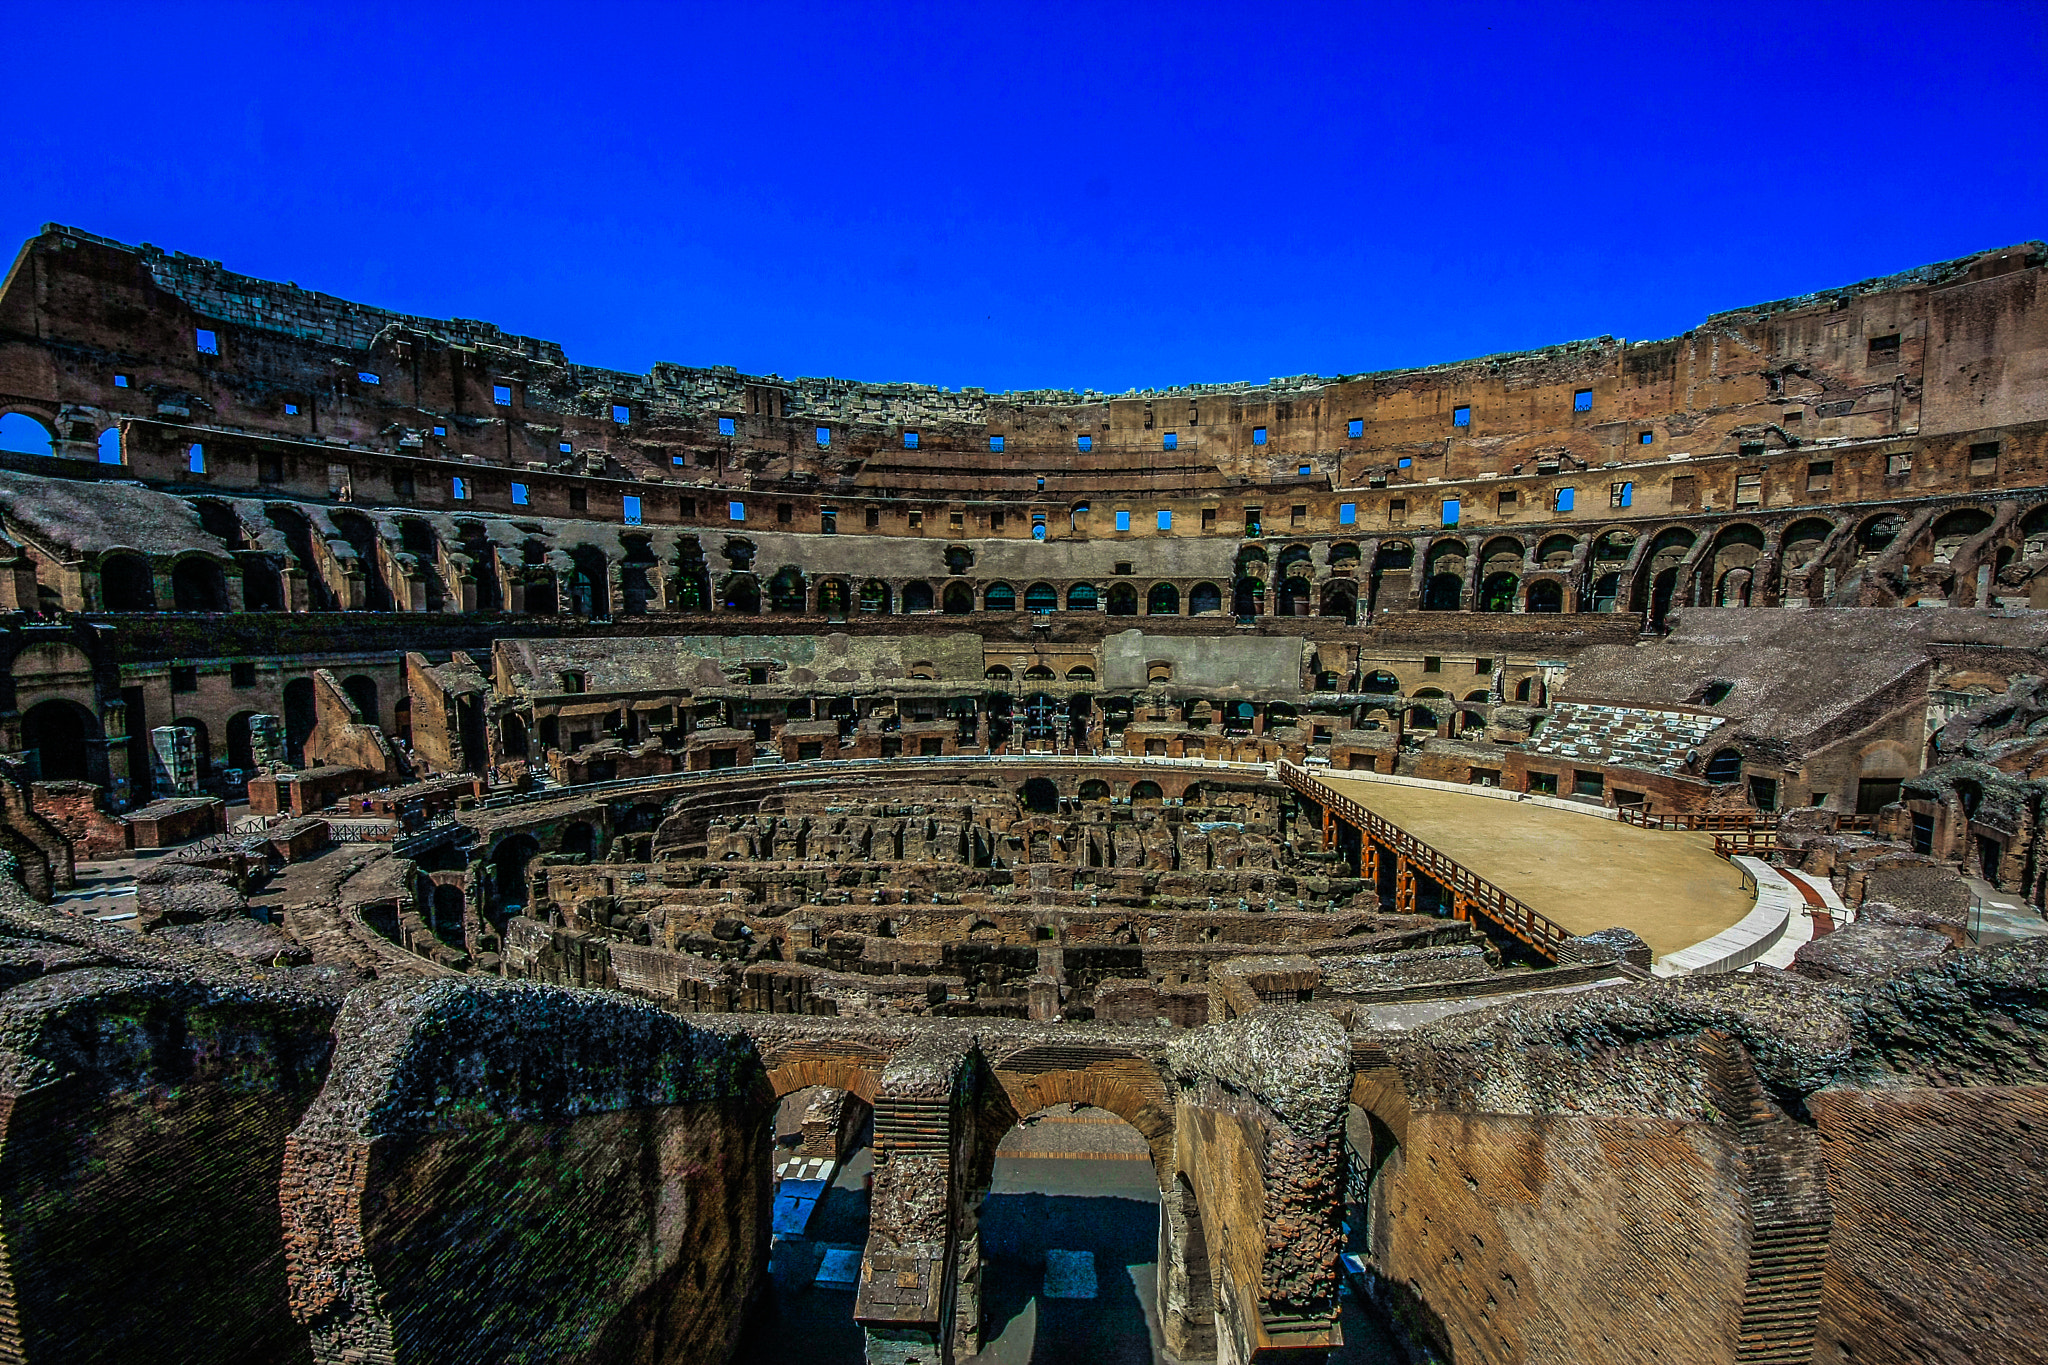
<point x="1380" y="1091"/>
<point x="1123" y="1083"/>
<point x="856" y="1070"/>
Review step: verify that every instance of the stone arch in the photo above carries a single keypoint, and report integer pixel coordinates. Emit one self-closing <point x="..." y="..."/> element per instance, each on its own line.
<point x="1146" y="793"/>
<point x="26" y="434"/>
<point x="1082" y="597"/>
<point x="1162" y="600"/>
<point x="1115" y="1081"/>
<point x="126" y="583"/>
<point x="787" y="591"/>
<point x="840" y="1065"/>
<point x="1555" y="552"/>
<point x="362" y="690"/>
<point x="197" y="584"/>
<point x="999" y="597"/>
<point x="959" y="599"/>
<point x="62" y="734"/>
<point x="1041" y="796"/>
<point x="1042" y="598"/>
<point x="876" y="598"/>
<point x="917" y="597"/>
<point x="299" y="719"/>
<point x="1546" y="595"/>
<point x="1204" y="598"/>
<point x="1123" y="600"/>
<point x="510" y="860"/>
<point x="742" y="594"/>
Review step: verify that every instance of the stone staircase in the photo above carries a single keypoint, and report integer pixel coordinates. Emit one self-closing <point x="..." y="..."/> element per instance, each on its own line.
<point x="1790" y="1214"/>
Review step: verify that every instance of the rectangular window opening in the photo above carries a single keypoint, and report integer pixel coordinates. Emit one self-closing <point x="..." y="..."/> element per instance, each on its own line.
<point x="1165" y="520"/>
<point x="823" y="436"/>
<point x="195" y="458"/>
<point x="519" y="497"/>
<point x="1450" y="511"/>
<point x="291" y="409"/>
<point x="621" y="413"/>
<point x="995" y="443"/>
<point x="1258" y="436"/>
<point x="459" y="486"/>
<point x="910" y="440"/>
<point x="121" y="382"/>
<point x="501" y="394"/>
<point x="1347" y="514"/>
<point x="1565" y="498"/>
<point x="1984" y="458"/>
<point x="1820" y="476"/>
<point x="735" y="511"/>
<point x="366" y="377"/>
<point x="1461" y="416"/>
<point x="1646" y="438"/>
<point x="1582" y="401"/>
<point x="1084" y="442"/>
<point x="1884" y="350"/>
<point x="1123" y="521"/>
<point x="630" y="506"/>
<point x="209" y="341"/>
<point x="1355" y="428"/>
<point x="579" y="500"/>
<point x="1621" y="495"/>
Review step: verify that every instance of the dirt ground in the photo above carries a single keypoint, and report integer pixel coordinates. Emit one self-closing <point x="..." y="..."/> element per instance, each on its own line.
<point x="1585" y="873"/>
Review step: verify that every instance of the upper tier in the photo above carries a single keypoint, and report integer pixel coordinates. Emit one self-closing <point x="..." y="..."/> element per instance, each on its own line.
<point x="91" y="328"/>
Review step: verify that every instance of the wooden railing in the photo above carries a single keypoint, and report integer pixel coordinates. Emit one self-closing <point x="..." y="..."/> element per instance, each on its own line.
<point x="1466" y="887"/>
<point x="1753" y="843"/>
<point x="1638" y="814"/>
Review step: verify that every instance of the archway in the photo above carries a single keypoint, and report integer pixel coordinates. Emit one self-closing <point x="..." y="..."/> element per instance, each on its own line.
<point x="1146" y="793"/>
<point x="999" y="597"/>
<point x="1123" y="600"/>
<point x="580" y="841"/>
<point x="786" y="590"/>
<point x="1546" y="595"/>
<point x="1042" y="597"/>
<point x="197" y="584"/>
<point x="299" y="719"/>
<point x="1041" y="796"/>
<point x="1082" y="597"/>
<point x="959" y="599"/>
<point x="362" y="691"/>
<point x="126" y="583"/>
<point x="241" y="747"/>
<point x="507" y="886"/>
<point x="1442" y="592"/>
<point x="1204" y="598"/>
<point x="1294" y="596"/>
<point x="25" y="435"/>
<point x="917" y="597"/>
<point x="875" y="598"/>
<point x="1163" y="600"/>
<point x="743" y="595"/>
<point x="60" y="733"/>
<point x="1497" y="593"/>
<point x="1068" y="1228"/>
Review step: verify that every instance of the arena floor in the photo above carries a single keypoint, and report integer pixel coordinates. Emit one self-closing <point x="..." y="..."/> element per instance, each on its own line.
<point x="1585" y="873"/>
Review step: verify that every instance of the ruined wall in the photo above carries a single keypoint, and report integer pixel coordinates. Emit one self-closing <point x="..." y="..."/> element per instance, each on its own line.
<point x="468" y="1117"/>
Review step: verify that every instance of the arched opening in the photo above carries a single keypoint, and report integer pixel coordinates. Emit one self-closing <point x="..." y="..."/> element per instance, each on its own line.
<point x="507" y="886"/>
<point x="1123" y="600"/>
<point x="1725" y="766"/>
<point x="1341" y="599"/>
<point x="24" y="435"/>
<point x="999" y="597"/>
<point x="1068" y="1229"/>
<point x="1497" y="592"/>
<point x="832" y="598"/>
<point x="875" y="598"/>
<point x="446" y="913"/>
<point x="917" y="597"/>
<point x="820" y="1160"/>
<point x="1042" y="597"/>
<point x="241" y="746"/>
<point x="743" y="595"/>
<point x="126" y="583"/>
<point x="590" y="588"/>
<point x="1041" y="797"/>
<point x="636" y="587"/>
<point x="1380" y="681"/>
<point x="198" y="585"/>
<point x="1442" y="592"/>
<point x="1163" y="600"/>
<point x="959" y="599"/>
<point x="1082" y="597"/>
<point x="60" y="733"/>
<point x="1190" y="1294"/>
<point x="298" y="719"/>
<point x="360" y="536"/>
<point x="1146" y="793"/>
<point x="1546" y="595"/>
<point x="512" y="740"/>
<point x="1294" y="596"/>
<point x="1080" y="673"/>
<point x="110" y="446"/>
<point x="363" y="692"/>
<point x="1204" y="598"/>
<point x="786" y="590"/>
<point x="580" y="841"/>
<point x="1095" y="789"/>
<point x="262" y="584"/>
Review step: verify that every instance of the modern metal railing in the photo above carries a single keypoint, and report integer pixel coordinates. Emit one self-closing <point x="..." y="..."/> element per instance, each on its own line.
<point x="1467" y="887"/>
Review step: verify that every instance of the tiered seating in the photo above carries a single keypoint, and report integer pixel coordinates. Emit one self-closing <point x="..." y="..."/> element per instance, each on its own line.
<point x="1625" y="736"/>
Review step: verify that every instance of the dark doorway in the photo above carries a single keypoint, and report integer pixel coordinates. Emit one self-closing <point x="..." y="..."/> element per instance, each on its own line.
<point x="59" y="733"/>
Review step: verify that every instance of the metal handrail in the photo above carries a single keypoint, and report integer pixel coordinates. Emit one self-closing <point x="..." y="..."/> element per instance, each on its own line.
<point x="1511" y="913"/>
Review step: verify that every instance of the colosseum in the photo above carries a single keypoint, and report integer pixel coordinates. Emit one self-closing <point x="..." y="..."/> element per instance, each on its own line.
<point x="1534" y="859"/>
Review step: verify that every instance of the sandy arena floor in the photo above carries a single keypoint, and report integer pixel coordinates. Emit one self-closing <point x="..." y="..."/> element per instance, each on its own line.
<point x="1585" y="873"/>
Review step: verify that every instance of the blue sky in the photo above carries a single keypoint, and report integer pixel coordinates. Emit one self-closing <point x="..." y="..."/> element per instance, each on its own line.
<point x="1016" y="197"/>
